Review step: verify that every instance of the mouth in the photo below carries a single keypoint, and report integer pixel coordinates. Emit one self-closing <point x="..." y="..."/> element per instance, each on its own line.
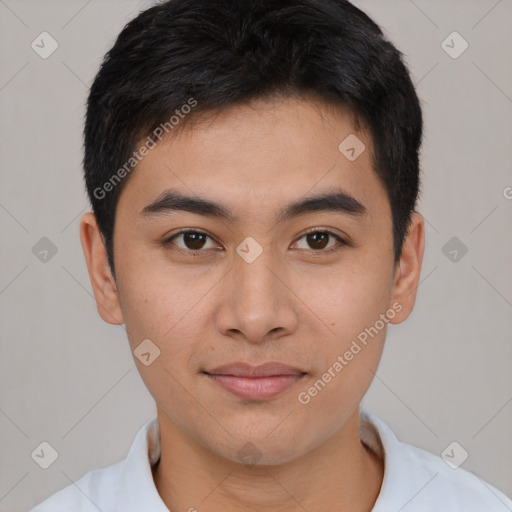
<point x="255" y="382"/>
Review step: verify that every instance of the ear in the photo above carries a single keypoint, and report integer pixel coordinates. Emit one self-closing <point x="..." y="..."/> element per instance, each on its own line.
<point x="102" y="281"/>
<point x="408" y="270"/>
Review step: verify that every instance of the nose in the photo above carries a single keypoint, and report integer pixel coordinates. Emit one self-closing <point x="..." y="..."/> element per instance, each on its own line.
<point x="258" y="302"/>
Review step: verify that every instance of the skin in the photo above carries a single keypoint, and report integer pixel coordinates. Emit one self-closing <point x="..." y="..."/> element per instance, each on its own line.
<point x="294" y="304"/>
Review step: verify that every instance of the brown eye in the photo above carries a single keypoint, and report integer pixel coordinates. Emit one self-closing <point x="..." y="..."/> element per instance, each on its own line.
<point x="191" y="241"/>
<point x="319" y="241"/>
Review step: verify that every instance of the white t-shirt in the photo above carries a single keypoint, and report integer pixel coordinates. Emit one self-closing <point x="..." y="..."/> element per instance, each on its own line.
<point x="414" y="480"/>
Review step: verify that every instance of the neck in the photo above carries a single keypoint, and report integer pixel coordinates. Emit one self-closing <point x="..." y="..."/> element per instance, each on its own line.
<point x="340" y="474"/>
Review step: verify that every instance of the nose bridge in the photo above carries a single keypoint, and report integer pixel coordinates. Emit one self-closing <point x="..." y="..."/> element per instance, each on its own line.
<point x="255" y="275"/>
<point x="258" y="301"/>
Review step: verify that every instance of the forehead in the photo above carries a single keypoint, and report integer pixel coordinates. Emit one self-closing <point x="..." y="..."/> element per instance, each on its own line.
<point x="252" y="157"/>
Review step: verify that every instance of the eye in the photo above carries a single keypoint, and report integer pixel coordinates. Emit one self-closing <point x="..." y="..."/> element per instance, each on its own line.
<point x="192" y="242"/>
<point x="318" y="240"/>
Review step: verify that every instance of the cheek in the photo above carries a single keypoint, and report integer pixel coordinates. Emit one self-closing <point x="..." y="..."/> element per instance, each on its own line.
<point x="351" y="304"/>
<point x="346" y="357"/>
<point x="169" y="306"/>
<point x="166" y="312"/>
<point x="158" y="300"/>
<point x="347" y="297"/>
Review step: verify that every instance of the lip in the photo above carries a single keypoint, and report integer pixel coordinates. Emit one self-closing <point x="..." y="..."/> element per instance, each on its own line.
<point x="241" y="369"/>
<point x="255" y="382"/>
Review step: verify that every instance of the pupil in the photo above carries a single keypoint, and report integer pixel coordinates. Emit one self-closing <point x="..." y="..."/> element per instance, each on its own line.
<point x="313" y="240"/>
<point x="193" y="240"/>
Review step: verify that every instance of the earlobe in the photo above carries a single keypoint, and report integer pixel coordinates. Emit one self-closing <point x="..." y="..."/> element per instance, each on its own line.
<point x="100" y="275"/>
<point x="409" y="268"/>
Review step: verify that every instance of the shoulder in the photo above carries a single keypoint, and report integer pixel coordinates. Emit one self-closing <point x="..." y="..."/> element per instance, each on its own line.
<point x="92" y="492"/>
<point x="125" y="485"/>
<point x="418" y="481"/>
<point x="452" y="488"/>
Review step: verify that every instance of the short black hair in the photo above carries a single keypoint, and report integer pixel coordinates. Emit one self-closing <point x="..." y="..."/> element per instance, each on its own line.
<point x="197" y="57"/>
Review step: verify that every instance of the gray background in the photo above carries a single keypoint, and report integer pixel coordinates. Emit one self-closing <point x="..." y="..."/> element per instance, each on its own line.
<point x="69" y="379"/>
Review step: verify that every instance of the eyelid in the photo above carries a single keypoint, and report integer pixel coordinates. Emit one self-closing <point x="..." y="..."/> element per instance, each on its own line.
<point x="169" y="240"/>
<point x="320" y="229"/>
<point x="342" y="241"/>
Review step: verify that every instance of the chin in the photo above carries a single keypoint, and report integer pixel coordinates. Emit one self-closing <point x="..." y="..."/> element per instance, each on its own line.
<point x="261" y="448"/>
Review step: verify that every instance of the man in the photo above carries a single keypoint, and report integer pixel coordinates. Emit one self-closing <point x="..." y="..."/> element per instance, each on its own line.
<point x="253" y="171"/>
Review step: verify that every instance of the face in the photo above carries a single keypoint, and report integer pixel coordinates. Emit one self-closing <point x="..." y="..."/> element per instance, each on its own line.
<point x="310" y="290"/>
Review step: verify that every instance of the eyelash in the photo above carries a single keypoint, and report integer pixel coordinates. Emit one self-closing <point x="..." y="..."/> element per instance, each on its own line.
<point x="200" y="252"/>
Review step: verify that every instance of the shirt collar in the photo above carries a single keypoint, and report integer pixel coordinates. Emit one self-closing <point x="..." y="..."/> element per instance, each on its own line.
<point x="403" y="477"/>
<point x="137" y="490"/>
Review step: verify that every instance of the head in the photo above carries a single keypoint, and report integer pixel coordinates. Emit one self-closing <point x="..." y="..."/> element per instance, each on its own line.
<point x="286" y="135"/>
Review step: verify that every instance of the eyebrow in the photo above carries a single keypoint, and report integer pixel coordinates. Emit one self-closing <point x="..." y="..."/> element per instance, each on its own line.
<point x="329" y="201"/>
